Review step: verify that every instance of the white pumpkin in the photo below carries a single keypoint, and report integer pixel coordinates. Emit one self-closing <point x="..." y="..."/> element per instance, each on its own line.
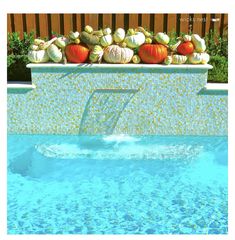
<point x="117" y="54"/>
<point x="205" y="58"/>
<point x="195" y="58"/>
<point x="96" y="54"/>
<point x="187" y="38"/>
<point x="135" y="40"/>
<point x="61" y="42"/>
<point x="106" y="40"/>
<point x="40" y="56"/>
<point x="54" y="53"/>
<point x="119" y="35"/>
<point x="162" y="38"/>
<point x="168" y="60"/>
<point x="179" y="59"/>
<point x="199" y="43"/>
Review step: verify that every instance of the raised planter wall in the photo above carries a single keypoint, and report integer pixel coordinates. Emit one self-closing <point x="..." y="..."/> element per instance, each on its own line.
<point x="118" y="99"/>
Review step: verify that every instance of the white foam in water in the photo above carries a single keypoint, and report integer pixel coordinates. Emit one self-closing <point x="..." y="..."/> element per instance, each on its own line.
<point x="120" y="138"/>
<point x="59" y="150"/>
<point x="124" y="152"/>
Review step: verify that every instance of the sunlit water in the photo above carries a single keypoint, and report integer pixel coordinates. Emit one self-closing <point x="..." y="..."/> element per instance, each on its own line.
<point x="117" y="185"/>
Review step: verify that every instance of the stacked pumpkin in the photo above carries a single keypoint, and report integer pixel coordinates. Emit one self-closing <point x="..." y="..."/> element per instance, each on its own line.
<point x="119" y="47"/>
<point x="189" y="49"/>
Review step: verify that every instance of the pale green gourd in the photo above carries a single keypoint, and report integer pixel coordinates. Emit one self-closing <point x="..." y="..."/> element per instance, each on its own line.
<point x="96" y="54"/>
<point x="134" y="39"/>
<point x="73" y="35"/>
<point x="61" y="42"/>
<point x="106" y="40"/>
<point x="119" y="35"/>
<point x="162" y="38"/>
<point x="136" y="59"/>
<point x="168" y="60"/>
<point x="54" y="53"/>
<point x="90" y="39"/>
<point x="38" y="41"/>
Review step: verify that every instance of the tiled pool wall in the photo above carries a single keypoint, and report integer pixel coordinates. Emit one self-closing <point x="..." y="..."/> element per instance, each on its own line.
<point x="118" y="99"/>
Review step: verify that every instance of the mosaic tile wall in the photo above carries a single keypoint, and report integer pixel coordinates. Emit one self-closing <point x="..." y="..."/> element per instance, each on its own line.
<point x="89" y="100"/>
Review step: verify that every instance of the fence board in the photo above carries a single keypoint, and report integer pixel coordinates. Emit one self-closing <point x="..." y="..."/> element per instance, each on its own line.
<point x="146" y="21"/>
<point x="184" y="23"/>
<point x="171" y="23"/>
<point x="92" y="20"/>
<point x="197" y="25"/>
<point x="78" y="23"/>
<point x="30" y="23"/>
<point x="44" y="24"/>
<point x="158" y="23"/>
<point x="217" y="22"/>
<point x="119" y="21"/>
<point x="225" y="27"/>
<point x="55" y="23"/>
<point x="18" y="23"/>
<point x="208" y="21"/>
<point x="133" y="21"/>
<point x="68" y="23"/>
<point x="9" y="29"/>
<point x="107" y="21"/>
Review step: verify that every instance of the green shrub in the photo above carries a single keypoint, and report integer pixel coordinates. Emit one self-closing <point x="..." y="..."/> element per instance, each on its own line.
<point x="16" y="68"/>
<point x="17" y="50"/>
<point x="219" y="73"/>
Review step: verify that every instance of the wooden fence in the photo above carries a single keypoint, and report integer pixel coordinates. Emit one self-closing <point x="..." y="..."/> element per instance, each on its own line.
<point x="44" y="24"/>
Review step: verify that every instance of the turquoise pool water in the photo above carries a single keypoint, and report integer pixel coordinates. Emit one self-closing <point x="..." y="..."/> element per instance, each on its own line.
<point x="117" y="185"/>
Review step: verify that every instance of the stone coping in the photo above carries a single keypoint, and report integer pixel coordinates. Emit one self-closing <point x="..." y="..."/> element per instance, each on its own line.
<point x="124" y="66"/>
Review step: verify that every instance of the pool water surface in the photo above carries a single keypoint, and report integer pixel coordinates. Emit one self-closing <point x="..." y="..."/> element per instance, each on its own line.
<point x="117" y="184"/>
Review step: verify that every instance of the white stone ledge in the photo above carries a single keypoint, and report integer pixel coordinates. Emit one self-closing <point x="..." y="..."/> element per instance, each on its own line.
<point x="20" y="85"/>
<point x="125" y="66"/>
<point x="216" y="86"/>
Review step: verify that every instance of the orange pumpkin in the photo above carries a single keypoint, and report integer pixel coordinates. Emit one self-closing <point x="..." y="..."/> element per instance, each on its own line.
<point x="76" y="53"/>
<point x="185" y="48"/>
<point x="152" y="53"/>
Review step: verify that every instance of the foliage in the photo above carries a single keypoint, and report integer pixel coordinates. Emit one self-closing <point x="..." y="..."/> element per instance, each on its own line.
<point x="16" y="70"/>
<point x="17" y="46"/>
<point x="219" y="73"/>
<point x="216" y="45"/>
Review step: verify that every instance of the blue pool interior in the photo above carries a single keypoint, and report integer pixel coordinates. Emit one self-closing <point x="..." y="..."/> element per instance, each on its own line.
<point x="117" y="184"/>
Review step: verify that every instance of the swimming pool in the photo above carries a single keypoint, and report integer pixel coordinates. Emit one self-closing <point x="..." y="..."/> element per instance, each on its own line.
<point x="117" y="184"/>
